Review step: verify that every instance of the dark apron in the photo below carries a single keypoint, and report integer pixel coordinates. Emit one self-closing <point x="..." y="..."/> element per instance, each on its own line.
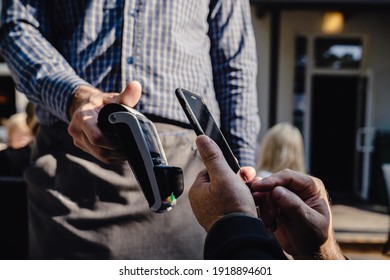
<point x="80" y="208"/>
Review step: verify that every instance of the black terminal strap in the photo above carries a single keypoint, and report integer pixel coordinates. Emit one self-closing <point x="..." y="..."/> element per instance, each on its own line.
<point x="170" y="180"/>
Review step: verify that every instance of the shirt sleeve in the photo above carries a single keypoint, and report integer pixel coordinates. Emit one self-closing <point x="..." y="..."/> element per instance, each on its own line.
<point x="234" y="62"/>
<point x="240" y="237"/>
<point x="38" y="69"/>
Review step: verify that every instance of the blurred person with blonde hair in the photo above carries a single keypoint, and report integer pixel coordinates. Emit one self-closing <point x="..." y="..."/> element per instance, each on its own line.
<point x="16" y="157"/>
<point x="281" y="147"/>
<point x="18" y="131"/>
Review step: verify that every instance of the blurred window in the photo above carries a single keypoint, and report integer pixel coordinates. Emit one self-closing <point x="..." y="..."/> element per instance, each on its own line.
<point x="338" y="53"/>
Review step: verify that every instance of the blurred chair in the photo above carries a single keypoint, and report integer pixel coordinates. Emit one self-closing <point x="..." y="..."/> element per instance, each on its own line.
<point x="386" y="175"/>
<point x="14" y="222"/>
<point x="13" y="196"/>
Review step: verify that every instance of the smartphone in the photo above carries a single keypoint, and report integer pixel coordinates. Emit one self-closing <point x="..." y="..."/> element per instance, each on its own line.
<point x="203" y="122"/>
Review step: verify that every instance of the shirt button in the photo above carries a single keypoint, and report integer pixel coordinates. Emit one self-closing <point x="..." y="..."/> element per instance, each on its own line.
<point x="130" y="60"/>
<point x="133" y="12"/>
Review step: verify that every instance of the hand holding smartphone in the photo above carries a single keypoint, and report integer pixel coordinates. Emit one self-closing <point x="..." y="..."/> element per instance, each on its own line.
<point x="203" y="122"/>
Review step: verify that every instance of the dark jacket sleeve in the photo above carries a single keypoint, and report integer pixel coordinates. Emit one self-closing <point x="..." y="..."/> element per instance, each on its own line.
<point x="237" y="236"/>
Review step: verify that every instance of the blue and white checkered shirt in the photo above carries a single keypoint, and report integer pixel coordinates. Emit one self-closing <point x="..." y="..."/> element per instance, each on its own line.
<point x="208" y="47"/>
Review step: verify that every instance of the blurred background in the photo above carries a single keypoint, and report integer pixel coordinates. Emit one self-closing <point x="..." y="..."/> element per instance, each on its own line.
<point x="324" y="67"/>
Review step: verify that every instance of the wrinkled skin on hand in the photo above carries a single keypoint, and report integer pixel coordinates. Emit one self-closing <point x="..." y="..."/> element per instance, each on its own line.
<point x="295" y="207"/>
<point x="218" y="191"/>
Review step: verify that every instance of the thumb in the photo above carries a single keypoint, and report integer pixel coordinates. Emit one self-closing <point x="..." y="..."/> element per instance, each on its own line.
<point x="212" y="157"/>
<point x="131" y="95"/>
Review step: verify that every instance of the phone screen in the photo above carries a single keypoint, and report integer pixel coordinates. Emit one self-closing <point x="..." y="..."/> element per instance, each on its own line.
<point x="203" y="123"/>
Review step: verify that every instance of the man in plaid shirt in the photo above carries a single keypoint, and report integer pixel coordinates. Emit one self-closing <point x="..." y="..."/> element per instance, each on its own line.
<point x="72" y="57"/>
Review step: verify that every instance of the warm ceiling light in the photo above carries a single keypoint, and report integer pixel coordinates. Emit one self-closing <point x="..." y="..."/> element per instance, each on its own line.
<point x="333" y="22"/>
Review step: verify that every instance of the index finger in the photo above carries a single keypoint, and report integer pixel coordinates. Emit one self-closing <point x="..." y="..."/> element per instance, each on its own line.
<point x="301" y="184"/>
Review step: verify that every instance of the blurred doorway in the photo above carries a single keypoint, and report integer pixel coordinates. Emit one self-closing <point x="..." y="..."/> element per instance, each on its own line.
<point x="332" y="107"/>
<point x="338" y="110"/>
